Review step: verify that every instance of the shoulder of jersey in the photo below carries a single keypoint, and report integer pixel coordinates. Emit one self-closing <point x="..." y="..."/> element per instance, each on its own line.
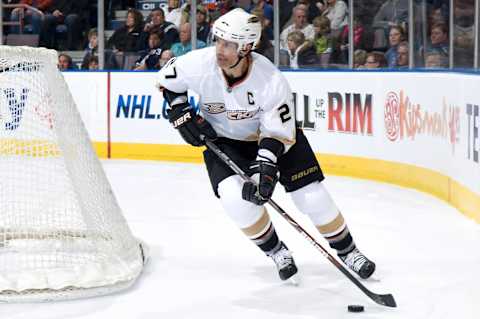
<point x="264" y="68"/>
<point x="200" y="60"/>
<point x="264" y="62"/>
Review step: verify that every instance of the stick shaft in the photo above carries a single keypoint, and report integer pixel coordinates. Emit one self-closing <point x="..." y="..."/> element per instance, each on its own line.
<point x="385" y="300"/>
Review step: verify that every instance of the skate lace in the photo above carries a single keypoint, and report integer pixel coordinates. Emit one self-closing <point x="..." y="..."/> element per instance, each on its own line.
<point x="282" y="258"/>
<point x="355" y="260"/>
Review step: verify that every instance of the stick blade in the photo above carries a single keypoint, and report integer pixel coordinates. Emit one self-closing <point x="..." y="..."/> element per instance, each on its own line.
<point x="385" y="300"/>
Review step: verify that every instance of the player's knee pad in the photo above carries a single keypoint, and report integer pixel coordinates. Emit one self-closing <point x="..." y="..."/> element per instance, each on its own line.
<point x="244" y="213"/>
<point x="315" y="201"/>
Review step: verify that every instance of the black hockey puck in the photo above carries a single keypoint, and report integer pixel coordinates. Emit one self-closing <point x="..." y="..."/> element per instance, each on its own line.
<point x="355" y="308"/>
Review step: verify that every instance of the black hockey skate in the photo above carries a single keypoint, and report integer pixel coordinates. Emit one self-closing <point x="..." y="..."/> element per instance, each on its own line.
<point x="360" y="264"/>
<point x="284" y="261"/>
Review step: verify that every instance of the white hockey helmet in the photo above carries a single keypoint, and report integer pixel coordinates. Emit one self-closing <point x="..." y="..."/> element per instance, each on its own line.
<point x="240" y="27"/>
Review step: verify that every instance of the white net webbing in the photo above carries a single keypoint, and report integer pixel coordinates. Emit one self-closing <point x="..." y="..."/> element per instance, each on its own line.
<point x="62" y="233"/>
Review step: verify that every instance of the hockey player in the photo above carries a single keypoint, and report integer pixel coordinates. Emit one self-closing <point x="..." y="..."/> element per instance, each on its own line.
<point x="246" y="106"/>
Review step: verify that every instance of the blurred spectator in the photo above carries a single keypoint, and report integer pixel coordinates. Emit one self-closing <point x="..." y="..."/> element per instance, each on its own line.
<point x="375" y="60"/>
<point x="128" y="37"/>
<point x="92" y="50"/>
<point x="203" y="26"/>
<point x="93" y="63"/>
<point x="359" y="39"/>
<point x="32" y="17"/>
<point x="174" y="14"/>
<point x="92" y="44"/>
<point x="438" y="40"/>
<point x="312" y="7"/>
<point x="185" y="45"/>
<point x="464" y="33"/>
<point x="359" y="35"/>
<point x="63" y="12"/>
<point x="359" y="59"/>
<point x="443" y="8"/>
<point x="301" y="51"/>
<point x="323" y="41"/>
<point x="397" y="35"/>
<point x="402" y="55"/>
<point x="186" y="9"/>
<point x="65" y="62"/>
<point x="166" y="30"/>
<point x="435" y="60"/>
<point x="225" y="6"/>
<point x="299" y="24"/>
<point x="265" y="47"/>
<point x="165" y="57"/>
<point x="149" y="59"/>
<point x="222" y="7"/>
<point x="267" y="12"/>
<point x="291" y="18"/>
<point x="285" y="12"/>
<point x="391" y="13"/>
<point x="365" y="11"/>
<point x="436" y="16"/>
<point x="337" y="12"/>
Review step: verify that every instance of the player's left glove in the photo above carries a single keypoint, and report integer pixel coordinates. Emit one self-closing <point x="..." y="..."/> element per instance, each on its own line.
<point x="264" y="168"/>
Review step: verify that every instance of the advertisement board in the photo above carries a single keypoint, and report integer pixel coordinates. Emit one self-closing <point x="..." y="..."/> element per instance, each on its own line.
<point x="415" y="129"/>
<point x="90" y="93"/>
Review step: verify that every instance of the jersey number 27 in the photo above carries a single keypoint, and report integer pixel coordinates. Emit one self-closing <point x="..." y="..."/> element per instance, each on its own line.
<point x="173" y="75"/>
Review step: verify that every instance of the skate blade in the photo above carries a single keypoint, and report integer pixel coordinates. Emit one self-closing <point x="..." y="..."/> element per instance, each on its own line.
<point x="295" y="280"/>
<point x="373" y="278"/>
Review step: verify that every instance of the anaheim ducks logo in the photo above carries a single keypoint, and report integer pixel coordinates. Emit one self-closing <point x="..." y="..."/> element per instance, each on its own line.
<point x="214" y="108"/>
<point x="241" y="114"/>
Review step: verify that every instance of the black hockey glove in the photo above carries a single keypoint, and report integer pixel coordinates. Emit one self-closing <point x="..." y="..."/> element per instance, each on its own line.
<point x="268" y="178"/>
<point x="266" y="168"/>
<point x="192" y="127"/>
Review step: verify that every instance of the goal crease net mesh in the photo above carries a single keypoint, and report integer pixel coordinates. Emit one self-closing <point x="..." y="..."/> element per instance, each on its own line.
<point x="62" y="232"/>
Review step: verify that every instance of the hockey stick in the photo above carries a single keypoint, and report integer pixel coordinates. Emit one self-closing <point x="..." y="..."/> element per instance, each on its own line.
<point x="384" y="300"/>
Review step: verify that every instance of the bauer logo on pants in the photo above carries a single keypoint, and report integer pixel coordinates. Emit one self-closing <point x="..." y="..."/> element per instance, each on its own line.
<point x="304" y="173"/>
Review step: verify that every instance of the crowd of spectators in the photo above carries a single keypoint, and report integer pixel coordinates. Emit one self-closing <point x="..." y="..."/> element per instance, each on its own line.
<point x="380" y="34"/>
<point x="50" y="19"/>
<point x="313" y="33"/>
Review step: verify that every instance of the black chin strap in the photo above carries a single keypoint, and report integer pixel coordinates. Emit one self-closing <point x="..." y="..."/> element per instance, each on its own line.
<point x="240" y="57"/>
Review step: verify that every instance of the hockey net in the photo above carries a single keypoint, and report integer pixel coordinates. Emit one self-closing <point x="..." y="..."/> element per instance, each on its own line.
<point x="62" y="233"/>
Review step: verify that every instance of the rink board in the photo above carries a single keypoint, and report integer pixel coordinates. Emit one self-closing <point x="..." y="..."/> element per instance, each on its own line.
<point x="415" y="129"/>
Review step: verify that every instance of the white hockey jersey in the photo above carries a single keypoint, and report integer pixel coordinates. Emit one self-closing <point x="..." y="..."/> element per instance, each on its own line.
<point x="259" y="106"/>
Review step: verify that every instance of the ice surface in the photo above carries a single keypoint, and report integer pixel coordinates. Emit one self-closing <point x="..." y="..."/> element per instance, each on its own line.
<point x="201" y="265"/>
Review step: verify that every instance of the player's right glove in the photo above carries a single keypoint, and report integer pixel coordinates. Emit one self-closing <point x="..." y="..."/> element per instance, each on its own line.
<point x="267" y="179"/>
<point x="192" y="127"/>
<point x="264" y="168"/>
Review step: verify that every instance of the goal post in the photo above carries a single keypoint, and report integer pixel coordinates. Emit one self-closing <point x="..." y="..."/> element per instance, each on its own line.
<point x="62" y="232"/>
